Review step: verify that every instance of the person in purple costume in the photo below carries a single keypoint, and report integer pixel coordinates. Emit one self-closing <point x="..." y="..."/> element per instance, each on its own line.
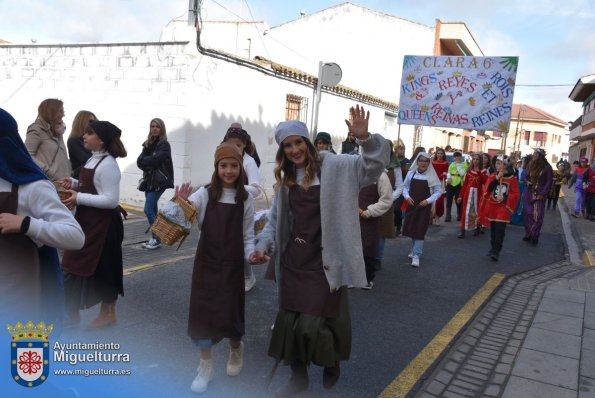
<point x="538" y="181"/>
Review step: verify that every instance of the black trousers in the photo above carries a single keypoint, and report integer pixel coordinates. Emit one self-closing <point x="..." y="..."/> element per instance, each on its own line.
<point x="552" y="198"/>
<point x="590" y="203"/>
<point x="498" y="229"/>
<point x="371" y="264"/>
<point x="452" y="193"/>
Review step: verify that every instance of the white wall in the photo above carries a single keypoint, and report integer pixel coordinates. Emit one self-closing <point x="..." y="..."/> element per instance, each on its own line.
<point x="197" y="96"/>
<point x="125" y="84"/>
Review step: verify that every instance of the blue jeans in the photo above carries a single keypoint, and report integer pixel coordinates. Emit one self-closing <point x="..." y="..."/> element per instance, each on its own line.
<point x="151" y="199"/>
<point x="418" y="247"/>
<point x="381" y="244"/>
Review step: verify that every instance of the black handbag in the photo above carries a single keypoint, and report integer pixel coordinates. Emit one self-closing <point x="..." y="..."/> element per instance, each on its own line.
<point x="142" y="184"/>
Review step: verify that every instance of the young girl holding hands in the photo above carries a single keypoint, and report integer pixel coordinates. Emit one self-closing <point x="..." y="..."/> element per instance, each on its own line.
<point x="226" y="221"/>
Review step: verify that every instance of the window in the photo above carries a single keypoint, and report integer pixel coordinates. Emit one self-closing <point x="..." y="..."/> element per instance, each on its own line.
<point x="496" y="134"/>
<point x="296" y="108"/>
<point x="527" y="137"/>
<point x="540" y="138"/>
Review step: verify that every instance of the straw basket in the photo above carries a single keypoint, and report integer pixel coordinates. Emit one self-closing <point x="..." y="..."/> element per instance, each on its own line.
<point x="64" y="195"/>
<point x="260" y="223"/>
<point x="169" y="232"/>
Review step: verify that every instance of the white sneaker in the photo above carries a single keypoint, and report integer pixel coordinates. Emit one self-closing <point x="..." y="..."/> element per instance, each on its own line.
<point x="236" y="360"/>
<point x="204" y="376"/>
<point x="415" y="261"/>
<point x="153" y="244"/>
<point x="410" y="255"/>
<point x="249" y="283"/>
<point x="368" y="286"/>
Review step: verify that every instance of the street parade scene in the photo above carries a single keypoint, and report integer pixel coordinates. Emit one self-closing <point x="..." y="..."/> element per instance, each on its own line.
<point x="321" y="199"/>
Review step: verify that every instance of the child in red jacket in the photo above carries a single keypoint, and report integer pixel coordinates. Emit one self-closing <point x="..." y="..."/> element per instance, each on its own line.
<point x="501" y="196"/>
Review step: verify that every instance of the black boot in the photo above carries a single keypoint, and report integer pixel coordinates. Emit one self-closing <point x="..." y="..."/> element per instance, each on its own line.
<point x="476" y="232"/>
<point x="330" y="375"/>
<point x="461" y="234"/>
<point x="297" y="383"/>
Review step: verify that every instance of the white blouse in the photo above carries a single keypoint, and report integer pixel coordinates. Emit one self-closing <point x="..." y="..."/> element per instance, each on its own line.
<point x="106" y="180"/>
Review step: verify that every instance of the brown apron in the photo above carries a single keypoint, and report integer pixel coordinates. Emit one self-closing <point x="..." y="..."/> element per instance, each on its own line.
<point x="303" y="284"/>
<point x="386" y="222"/>
<point x="95" y="224"/>
<point x="417" y="218"/>
<point x="217" y="294"/>
<point x="20" y="281"/>
<point x="369" y="226"/>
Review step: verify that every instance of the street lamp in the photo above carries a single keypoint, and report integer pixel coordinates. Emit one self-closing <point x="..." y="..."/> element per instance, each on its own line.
<point x="329" y="74"/>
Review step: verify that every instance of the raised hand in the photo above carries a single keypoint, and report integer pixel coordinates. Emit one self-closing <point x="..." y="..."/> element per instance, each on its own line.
<point x="183" y="191"/>
<point x="358" y="125"/>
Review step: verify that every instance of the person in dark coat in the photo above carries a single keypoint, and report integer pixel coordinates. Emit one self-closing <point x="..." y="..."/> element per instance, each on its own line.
<point x="349" y="145"/>
<point x="158" y="172"/>
<point x="77" y="153"/>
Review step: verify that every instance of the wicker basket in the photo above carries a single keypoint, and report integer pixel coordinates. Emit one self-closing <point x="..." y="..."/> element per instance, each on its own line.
<point x="169" y="232"/>
<point x="64" y="195"/>
<point x="259" y="225"/>
<point x="190" y="211"/>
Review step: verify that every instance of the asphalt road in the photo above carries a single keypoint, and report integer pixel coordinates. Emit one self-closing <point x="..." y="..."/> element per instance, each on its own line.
<point x="391" y="323"/>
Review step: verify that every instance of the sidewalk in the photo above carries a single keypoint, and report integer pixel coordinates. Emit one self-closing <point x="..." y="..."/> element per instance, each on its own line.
<point x="536" y="336"/>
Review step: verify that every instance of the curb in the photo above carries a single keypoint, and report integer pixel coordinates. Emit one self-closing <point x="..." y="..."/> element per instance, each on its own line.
<point x="588" y="258"/>
<point x="129" y="207"/>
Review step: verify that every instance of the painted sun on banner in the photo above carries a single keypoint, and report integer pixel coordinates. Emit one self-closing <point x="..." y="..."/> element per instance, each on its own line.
<point x="473" y="93"/>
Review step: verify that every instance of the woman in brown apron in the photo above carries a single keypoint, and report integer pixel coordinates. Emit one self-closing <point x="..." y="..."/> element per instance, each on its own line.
<point x="226" y="221"/>
<point x="31" y="216"/>
<point x="93" y="274"/>
<point x="421" y="189"/>
<point x="313" y="323"/>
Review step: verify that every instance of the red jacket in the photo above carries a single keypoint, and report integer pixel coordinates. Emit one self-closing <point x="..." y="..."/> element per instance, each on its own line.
<point x="589" y="180"/>
<point x="501" y="211"/>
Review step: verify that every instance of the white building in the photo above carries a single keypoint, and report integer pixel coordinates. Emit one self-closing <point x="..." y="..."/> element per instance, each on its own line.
<point x="531" y="128"/>
<point x="200" y="84"/>
<point x="582" y="131"/>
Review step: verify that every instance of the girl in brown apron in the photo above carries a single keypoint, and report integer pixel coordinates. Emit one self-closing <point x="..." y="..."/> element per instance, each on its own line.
<point x="226" y="221"/>
<point x="375" y="200"/>
<point x="313" y="323"/>
<point x="33" y="223"/>
<point x="421" y="189"/>
<point x="94" y="274"/>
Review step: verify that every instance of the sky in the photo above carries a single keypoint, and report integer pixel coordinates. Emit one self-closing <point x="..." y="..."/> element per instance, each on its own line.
<point x="553" y="38"/>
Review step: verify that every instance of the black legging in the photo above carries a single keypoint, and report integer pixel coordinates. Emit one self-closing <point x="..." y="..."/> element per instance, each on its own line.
<point x="452" y="192"/>
<point x="498" y="229"/>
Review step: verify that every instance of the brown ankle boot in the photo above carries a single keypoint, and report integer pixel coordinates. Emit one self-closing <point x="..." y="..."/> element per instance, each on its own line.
<point x="106" y="317"/>
<point x="297" y="383"/>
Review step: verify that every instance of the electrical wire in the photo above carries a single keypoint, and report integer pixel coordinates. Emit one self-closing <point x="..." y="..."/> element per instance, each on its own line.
<point x="263" y="33"/>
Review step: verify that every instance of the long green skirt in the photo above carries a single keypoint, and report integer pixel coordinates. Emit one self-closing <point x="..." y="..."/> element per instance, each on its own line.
<point x="309" y="338"/>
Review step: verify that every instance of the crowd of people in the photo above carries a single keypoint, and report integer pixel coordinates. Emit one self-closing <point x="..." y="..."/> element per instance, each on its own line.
<point x="53" y="198"/>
